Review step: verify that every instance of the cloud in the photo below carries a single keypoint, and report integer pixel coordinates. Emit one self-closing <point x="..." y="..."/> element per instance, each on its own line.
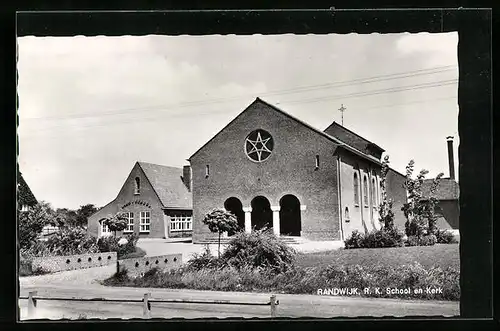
<point x="436" y="48"/>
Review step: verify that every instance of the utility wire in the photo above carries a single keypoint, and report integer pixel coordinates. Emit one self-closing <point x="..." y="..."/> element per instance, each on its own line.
<point x="142" y="119"/>
<point x="309" y="88"/>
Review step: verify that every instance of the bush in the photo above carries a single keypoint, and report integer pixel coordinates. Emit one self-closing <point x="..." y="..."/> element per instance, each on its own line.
<point x="445" y="237"/>
<point x="375" y="239"/>
<point x="259" y="249"/>
<point x="356" y="240"/>
<point x="427" y="240"/>
<point x="300" y="280"/>
<point x="204" y="260"/>
<point x="71" y="241"/>
<point x="110" y="244"/>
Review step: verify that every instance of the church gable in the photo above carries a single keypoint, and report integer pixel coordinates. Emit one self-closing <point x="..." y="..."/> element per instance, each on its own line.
<point x="260" y="132"/>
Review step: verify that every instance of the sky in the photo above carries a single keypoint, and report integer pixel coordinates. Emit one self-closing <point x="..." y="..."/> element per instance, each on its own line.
<point x="90" y="107"/>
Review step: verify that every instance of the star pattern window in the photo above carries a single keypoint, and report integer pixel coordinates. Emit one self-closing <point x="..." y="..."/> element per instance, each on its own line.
<point x="259" y="145"/>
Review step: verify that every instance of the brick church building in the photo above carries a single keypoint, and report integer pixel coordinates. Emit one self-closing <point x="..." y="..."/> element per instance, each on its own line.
<point x="272" y="170"/>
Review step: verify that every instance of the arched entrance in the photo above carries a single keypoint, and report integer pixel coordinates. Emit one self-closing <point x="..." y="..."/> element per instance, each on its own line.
<point x="235" y="206"/>
<point x="290" y="224"/>
<point x="262" y="215"/>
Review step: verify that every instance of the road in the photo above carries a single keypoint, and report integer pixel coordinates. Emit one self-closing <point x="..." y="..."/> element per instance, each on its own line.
<point x="67" y="284"/>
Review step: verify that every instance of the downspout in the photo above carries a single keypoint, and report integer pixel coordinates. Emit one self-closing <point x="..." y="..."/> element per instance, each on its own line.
<point x="339" y="194"/>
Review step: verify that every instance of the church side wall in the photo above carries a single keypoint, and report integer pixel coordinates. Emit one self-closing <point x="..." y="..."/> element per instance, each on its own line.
<point x="289" y="170"/>
<point x="397" y="193"/>
<point x="358" y="216"/>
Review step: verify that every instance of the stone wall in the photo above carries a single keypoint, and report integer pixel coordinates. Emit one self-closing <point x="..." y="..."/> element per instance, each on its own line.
<point x="138" y="266"/>
<point x="73" y="262"/>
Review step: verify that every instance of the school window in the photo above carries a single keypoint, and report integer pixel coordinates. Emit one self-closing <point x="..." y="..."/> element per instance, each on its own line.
<point x="356" y="189"/>
<point x="145" y="221"/>
<point x="130" y="222"/>
<point x="105" y="229"/>
<point x="365" y="191"/>
<point x="181" y="222"/>
<point x="137" y="189"/>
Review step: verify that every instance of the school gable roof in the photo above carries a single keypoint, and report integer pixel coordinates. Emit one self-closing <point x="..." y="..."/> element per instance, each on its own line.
<point x="168" y="185"/>
<point x="324" y="134"/>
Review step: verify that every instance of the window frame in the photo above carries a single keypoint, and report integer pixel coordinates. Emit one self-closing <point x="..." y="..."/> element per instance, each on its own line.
<point x="366" y="200"/>
<point x="145" y="221"/>
<point x="356" y="188"/>
<point x="137" y="185"/>
<point x="181" y="222"/>
<point x="130" y="225"/>
<point x="105" y="231"/>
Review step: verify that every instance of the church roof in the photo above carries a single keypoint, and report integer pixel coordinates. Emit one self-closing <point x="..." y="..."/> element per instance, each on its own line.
<point x="336" y="126"/>
<point x="324" y="134"/>
<point x="168" y="185"/>
<point x="25" y="195"/>
<point x="447" y="189"/>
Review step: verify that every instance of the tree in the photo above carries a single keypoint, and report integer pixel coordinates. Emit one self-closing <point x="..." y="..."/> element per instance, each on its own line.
<point x="117" y="222"/>
<point x="83" y="213"/>
<point x="385" y="208"/>
<point x="431" y="203"/>
<point x="220" y="221"/>
<point x="32" y="221"/>
<point x="419" y="210"/>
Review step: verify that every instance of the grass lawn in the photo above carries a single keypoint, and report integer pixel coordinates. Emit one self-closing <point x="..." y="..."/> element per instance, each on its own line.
<point x="442" y="255"/>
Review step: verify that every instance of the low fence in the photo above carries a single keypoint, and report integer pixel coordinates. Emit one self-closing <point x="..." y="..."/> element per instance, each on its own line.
<point x="136" y="267"/>
<point x="146" y="302"/>
<point x="73" y="262"/>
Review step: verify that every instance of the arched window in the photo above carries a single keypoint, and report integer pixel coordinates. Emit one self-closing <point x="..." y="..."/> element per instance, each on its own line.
<point x="346" y="215"/>
<point x="373" y="190"/>
<point x="137" y="185"/>
<point x="381" y="190"/>
<point x="365" y="191"/>
<point x="356" y="189"/>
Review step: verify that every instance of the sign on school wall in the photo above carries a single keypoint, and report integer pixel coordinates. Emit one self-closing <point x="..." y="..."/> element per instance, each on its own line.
<point x="136" y="202"/>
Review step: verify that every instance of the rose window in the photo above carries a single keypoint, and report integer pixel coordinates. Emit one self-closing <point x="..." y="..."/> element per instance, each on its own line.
<point x="259" y="145"/>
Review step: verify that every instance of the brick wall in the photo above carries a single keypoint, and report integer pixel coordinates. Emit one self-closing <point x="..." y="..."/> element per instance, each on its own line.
<point x="73" y="262"/>
<point x="397" y="193"/>
<point x="138" y="266"/>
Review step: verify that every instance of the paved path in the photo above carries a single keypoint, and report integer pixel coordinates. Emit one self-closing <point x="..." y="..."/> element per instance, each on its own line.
<point x="156" y="247"/>
<point x="79" y="283"/>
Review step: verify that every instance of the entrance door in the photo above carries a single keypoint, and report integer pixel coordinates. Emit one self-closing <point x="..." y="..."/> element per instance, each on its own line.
<point x="235" y="206"/>
<point x="262" y="215"/>
<point x="290" y="220"/>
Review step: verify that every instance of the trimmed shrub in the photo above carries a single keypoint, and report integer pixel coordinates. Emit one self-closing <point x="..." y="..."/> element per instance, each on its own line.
<point x="375" y="239"/>
<point x="445" y="237"/>
<point x="259" y="249"/>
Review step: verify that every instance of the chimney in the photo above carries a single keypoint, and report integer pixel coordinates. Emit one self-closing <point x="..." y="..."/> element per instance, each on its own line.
<point x="450" y="157"/>
<point x="186" y="176"/>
